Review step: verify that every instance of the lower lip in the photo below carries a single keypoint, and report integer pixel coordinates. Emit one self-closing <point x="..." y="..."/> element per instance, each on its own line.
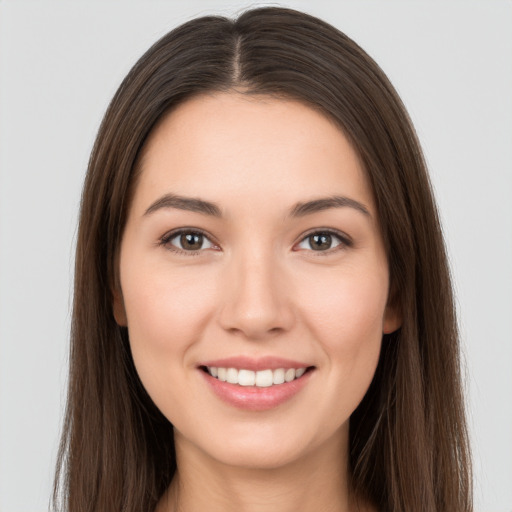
<point x="252" y="398"/>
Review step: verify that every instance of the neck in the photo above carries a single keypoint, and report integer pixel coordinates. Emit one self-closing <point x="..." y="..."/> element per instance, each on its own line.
<point x="317" y="482"/>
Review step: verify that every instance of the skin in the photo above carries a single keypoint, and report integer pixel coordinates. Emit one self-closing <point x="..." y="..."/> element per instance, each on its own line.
<point x="256" y="287"/>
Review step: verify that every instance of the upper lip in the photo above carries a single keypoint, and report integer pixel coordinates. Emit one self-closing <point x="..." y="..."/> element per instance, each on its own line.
<point x="255" y="364"/>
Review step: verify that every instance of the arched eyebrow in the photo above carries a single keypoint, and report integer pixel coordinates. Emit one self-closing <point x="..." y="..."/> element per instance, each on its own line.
<point x="324" y="203"/>
<point x="185" y="203"/>
<point x="300" y="209"/>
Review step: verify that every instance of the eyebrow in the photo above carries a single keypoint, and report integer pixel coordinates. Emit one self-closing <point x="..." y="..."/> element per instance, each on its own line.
<point x="185" y="203"/>
<point x="324" y="203"/>
<point x="300" y="209"/>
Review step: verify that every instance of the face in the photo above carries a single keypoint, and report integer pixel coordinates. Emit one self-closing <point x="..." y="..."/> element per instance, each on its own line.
<point x="253" y="279"/>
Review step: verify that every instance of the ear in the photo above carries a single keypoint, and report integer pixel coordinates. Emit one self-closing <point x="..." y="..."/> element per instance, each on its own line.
<point x="392" y="316"/>
<point x="118" y="308"/>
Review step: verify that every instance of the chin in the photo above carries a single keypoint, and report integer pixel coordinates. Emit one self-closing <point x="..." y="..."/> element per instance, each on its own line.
<point x="257" y="457"/>
<point x="264" y="447"/>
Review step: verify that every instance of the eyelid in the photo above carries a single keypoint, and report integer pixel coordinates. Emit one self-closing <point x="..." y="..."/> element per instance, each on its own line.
<point x="165" y="240"/>
<point x="344" y="239"/>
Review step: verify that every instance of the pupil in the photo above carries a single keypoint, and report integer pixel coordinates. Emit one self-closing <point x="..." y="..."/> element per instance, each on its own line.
<point x="321" y="241"/>
<point x="192" y="241"/>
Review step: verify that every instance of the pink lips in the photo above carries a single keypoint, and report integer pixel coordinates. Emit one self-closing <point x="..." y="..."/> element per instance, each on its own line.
<point x="252" y="398"/>
<point x="262" y="363"/>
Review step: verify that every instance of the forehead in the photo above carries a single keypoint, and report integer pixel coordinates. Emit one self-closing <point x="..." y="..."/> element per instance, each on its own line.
<point x="252" y="148"/>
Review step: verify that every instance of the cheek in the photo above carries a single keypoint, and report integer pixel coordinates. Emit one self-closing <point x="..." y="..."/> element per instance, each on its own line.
<point x="165" y="309"/>
<point x="347" y="321"/>
<point x="349" y="306"/>
<point x="166" y="315"/>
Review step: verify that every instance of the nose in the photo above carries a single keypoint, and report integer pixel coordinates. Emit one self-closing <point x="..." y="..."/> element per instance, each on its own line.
<point x="256" y="297"/>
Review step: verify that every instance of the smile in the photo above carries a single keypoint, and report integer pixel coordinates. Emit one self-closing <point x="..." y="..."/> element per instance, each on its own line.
<point x="261" y="379"/>
<point x="256" y="384"/>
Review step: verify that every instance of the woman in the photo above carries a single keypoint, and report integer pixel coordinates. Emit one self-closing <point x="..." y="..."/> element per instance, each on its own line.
<point x="263" y="316"/>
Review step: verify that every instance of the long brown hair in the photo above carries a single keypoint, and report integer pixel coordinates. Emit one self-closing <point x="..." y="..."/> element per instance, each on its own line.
<point x="408" y="440"/>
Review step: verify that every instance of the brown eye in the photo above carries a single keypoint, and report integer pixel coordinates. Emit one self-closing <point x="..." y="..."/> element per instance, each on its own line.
<point x="191" y="241"/>
<point x="187" y="241"/>
<point x="320" y="242"/>
<point x="324" y="241"/>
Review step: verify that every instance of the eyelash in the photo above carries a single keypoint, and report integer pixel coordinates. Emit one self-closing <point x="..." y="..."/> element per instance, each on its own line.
<point x="344" y="241"/>
<point x="166" y="239"/>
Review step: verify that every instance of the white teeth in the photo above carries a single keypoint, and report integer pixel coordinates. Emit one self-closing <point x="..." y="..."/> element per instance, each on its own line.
<point x="299" y="372"/>
<point x="289" y="375"/>
<point x="246" y="378"/>
<point x="264" y="378"/>
<point x="232" y="376"/>
<point x="261" y="378"/>
<point x="278" y="377"/>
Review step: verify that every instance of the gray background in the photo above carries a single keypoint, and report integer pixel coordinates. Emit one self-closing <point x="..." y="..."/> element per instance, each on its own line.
<point x="60" y="63"/>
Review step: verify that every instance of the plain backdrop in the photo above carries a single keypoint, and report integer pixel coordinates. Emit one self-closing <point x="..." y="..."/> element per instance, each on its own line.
<point x="60" y="63"/>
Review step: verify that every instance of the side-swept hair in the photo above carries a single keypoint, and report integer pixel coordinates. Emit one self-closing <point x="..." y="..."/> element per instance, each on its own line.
<point x="408" y="440"/>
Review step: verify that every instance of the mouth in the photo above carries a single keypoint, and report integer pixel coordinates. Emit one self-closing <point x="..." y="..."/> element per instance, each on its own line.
<point x="256" y="385"/>
<point x="260" y="379"/>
